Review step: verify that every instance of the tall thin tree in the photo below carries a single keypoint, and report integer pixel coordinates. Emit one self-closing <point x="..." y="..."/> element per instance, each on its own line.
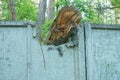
<point x="12" y="9"/>
<point x="50" y="9"/>
<point x="41" y="12"/>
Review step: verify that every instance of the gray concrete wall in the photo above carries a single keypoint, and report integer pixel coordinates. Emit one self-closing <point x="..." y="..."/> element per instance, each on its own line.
<point x="95" y="57"/>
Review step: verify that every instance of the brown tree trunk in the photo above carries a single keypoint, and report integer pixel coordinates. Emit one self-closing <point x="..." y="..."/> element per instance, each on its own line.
<point x="12" y="9"/>
<point x="63" y="26"/>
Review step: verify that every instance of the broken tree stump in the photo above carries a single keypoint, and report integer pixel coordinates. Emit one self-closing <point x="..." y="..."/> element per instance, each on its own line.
<point x="63" y="26"/>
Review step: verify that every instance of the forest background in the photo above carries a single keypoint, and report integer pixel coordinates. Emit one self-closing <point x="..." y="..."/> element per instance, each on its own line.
<point x="43" y="12"/>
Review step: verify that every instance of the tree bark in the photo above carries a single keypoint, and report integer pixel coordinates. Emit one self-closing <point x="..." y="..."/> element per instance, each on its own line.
<point x="41" y="17"/>
<point x="41" y="12"/>
<point x="63" y="26"/>
<point x="12" y="9"/>
<point x="50" y="9"/>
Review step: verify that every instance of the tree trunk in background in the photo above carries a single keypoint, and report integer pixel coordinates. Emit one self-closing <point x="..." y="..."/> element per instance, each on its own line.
<point x="50" y="9"/>
<point x="12" y="9"/>
<point x="41" y="17"/>
<point x="41" y="12"/>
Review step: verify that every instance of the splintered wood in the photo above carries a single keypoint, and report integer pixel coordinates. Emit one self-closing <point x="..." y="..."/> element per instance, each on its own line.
<point x="63" y="26"/>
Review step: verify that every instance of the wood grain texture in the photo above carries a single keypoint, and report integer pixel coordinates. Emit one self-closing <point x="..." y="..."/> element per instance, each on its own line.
<point x="64" y="25"/>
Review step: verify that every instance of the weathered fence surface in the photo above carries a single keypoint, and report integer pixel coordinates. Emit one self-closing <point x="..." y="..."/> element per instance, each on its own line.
<point x="95" y="58"/>
<point x="102" y="52"/>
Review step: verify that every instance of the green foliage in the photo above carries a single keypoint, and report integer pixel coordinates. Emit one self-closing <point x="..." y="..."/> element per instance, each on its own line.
<point x="25" y="10"/>
<point x="61" y="3"/>
<point x="89" y="14"/>
<point x="45" y="28"/>
<point x="115" y="3"/>
<point x="5" y="10"/>
<point x="87" y="11"/>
